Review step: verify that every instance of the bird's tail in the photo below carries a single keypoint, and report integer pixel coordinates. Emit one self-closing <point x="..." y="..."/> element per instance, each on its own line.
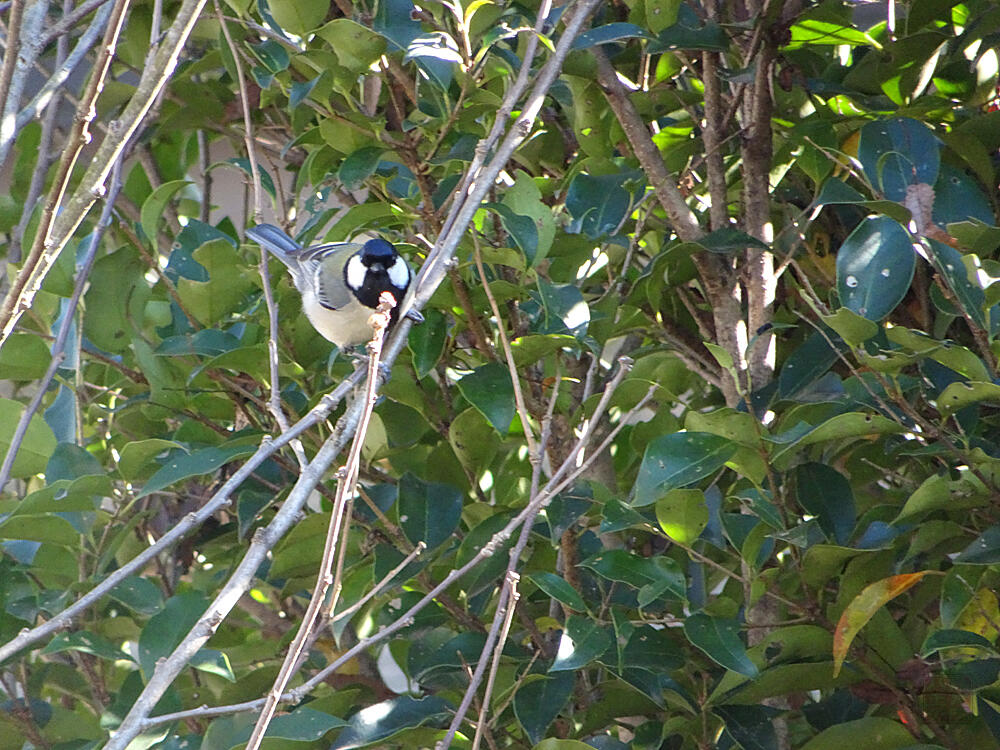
<point x="275" y="241"/>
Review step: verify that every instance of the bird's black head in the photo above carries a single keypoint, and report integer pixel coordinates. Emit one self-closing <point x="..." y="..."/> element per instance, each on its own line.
<point x="381" y="269"/>
<point x="378" y="251"/>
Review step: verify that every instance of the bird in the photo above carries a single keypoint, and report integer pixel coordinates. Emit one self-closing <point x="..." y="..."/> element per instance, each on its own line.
<point x="340" y="282"/>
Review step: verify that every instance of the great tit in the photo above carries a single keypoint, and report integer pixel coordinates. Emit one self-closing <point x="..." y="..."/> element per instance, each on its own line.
<point x="340" y="282"/>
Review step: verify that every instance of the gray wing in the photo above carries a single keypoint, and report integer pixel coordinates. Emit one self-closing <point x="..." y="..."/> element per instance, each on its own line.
<point x="326" y="265"/>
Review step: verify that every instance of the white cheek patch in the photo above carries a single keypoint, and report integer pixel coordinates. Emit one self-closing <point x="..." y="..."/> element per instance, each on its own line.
<point x="399" y="273"/>
<point x="356" y="272"/>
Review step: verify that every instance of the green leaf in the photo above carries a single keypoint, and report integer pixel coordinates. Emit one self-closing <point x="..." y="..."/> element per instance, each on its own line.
<point x="37" y="446"/>
<point x="490" y="390"/>
<point x="727" y="241"/>
<point x="213" y="662"/>
<point x="942" y="640"/>
<point x="557" y="588"/>
<point x="677" y="460"/>
<point x="304" y="724"/>
<point x="139" y="594"/>
<point x="525" y="199"/>
<point x="202" y="461"/>
<point x="851" y="327"/>
<point x="875" y="266"/>
<point x="597" y="204"/>
<point x="719" y="638"/>
<point x="537" y="703"/>
<point x="115" y="298"/>
<point x="265" y="178"/>
<point x="87" y="643"/>
<point x="751" y="726"/>
<point x="871" y="733"/>
<point x="652" y="649"/>
<point x="520" y="228"/>
<point x="45" y="528"/>
<point x="24" y="356"/>
<point x="154" y="206"/>
<point x="611" y="32"/>
<point x="384" y="720"/>
<point x="359" y="166"/>
<point x="824" y="492"/>
<point x="429" y="512"/>
<point x="654" y="576"/>
<point x="136" y="459"/>
<point x="959" y="395"/>
<point x="166" y="629"/>
<point x="426" y="342"/>
<point x="356" y="46"/>
<point x="968" y="295"/>
<point x="582" y="642"/>
<point x="226" y="288"/>
<point x="897" y="153"/>
<point x="985" y="550"/>
<point x="298" y="16"/>
<point x="682" y="515"/>
<point x="661" y="14"/>
<point x="552" y="743"/>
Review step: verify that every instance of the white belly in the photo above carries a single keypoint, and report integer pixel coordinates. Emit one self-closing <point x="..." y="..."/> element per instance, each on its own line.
<point x="347" y="326"/>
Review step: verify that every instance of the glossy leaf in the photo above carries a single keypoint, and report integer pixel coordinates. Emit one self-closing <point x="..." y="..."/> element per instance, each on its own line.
<point x="719" y="638"/>
<point x="390" y="718"/>
<point x="825" y="492"/>
<point x="677" y="460"/>
<point x="751" y="726"/>
<point x="557" y="588"/>
<point x="897" y="153"/>
<point x="538" y="702"/>
<point x="428" y="511"/>
<point x="582" y="641"/>
<point x="874" y="268"/>
<point x="490" y="390"/>
<point x="37" y="445"/>
<point x="682" y="515"/>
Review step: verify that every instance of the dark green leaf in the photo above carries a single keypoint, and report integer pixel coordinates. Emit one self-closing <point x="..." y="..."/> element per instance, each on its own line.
<point x="582" y="642"/>
<point x="874" y="267"/>
<point x="728" y="241"/>
<point x="88" y="643"/>
<point x="490" y="390"/>
<point x="825" y="492"/>
<point x="557" y="588"/>
<point x="597" y="204"/>
<point x="967" y="294"/>
<point x="897" y="153"/>
<point x="521" y="229"/>
<point x="719" y="638"/>
<point x="949" y="638"/>
<point x="166" y="629"/>
<point x="426" y="342"/>
<point x="751" y="726"/>
<point x="677" y="460"/>
<point x="359" y="166"/>
<point x="611" y="32"/>
<point x="139" y="594"/>
<point x="199" y="462"/>
<point x="428" y="511"/>
<point x="384" y="720"/>
<point x="985" y="550"/>
<point x="538" y="702"/>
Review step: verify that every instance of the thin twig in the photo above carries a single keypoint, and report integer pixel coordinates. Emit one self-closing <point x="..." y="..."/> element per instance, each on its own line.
<point x="69" y="313"/>
<point x="511" y="583"/>
<point x="347" y="479"/>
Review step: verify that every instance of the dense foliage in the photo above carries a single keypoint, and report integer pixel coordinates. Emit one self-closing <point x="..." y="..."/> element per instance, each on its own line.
<point x="743" y="258"/>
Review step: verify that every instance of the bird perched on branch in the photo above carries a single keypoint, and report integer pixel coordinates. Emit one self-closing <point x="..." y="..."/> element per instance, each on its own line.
<point x="340" y="282"/>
